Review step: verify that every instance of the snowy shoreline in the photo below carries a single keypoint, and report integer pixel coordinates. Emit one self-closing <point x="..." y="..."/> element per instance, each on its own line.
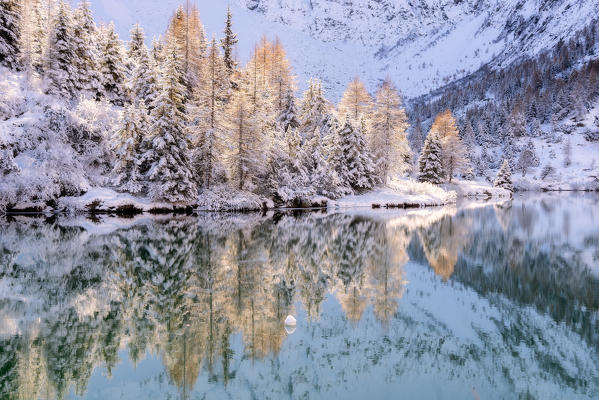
<point x="402" y="194"/>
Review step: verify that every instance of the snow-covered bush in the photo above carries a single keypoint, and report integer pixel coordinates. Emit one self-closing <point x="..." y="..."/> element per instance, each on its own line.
<point x="224" y="197"/>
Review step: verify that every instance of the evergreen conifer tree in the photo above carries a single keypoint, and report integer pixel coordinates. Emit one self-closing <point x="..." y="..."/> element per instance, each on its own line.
<point x="137" y="45"/>
<point x="228" y="43"/>
<point x="288" y="117"/>
<point x="112" y="66"/>
<point x="126" y="143"/>
<point x="145" y="80"/>
<point x="165" y="162"/>
<point x="314" y="112"/>
<point x="430" y="166"/>
<point x="357" y="167"/>
<point x="10" y="26"/>
<point x="85" y="43"/>
<point x="504" y="177"/>
<point x="323" y="177"/>
<point x="60" y="60"/>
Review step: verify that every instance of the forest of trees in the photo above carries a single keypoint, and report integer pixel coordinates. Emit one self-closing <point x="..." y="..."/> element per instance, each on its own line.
<point x="194" y="119"/>
<point x="556" y="89"/>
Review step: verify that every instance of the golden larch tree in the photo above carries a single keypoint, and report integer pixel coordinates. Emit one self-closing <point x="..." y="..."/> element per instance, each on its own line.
<point x="356" y="101"/>
<point x="454" y="153"/>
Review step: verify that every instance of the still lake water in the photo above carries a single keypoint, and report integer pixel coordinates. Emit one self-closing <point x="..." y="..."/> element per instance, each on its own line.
<point x="495" y="301"/>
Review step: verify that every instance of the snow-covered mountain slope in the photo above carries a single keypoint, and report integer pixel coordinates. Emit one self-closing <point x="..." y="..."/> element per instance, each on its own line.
<point x="421" y="44"/>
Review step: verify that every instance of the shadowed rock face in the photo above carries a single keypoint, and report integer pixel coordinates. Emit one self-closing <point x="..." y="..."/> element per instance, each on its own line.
<point x="502" y="298"/>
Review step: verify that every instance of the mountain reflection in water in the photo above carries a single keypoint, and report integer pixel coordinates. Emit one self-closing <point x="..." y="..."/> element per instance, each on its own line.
<point x="495" y="301"/>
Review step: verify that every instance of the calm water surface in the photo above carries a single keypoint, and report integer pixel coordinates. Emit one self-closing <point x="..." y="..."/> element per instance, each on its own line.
<point x="482" y="301"/>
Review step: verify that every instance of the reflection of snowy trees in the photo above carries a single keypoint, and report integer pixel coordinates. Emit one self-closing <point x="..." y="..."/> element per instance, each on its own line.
<point x="181" y="288"/>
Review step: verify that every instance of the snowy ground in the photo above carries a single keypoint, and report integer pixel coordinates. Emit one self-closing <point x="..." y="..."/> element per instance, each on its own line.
<point x="477" y="190"/>
<point x="581" y="174"/>
<point x="399" y="193"/>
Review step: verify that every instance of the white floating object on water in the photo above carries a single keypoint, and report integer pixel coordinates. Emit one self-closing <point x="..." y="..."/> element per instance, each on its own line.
<point x="290" y="321"/>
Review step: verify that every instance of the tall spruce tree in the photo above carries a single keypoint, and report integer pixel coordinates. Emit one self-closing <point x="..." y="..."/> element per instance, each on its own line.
<point x="165" y="162"/>
<point x="357" y="167"/>
<point x="85" y="43"/>
<point x="112" y="66"/>
<point x="430" y="166"/>
<point x="10" y="26"/>
<point x="322" y="175"/>
<point x="145" y="80"/>
<point x="137" y="43"/>
<point x="288" y="117"/>
<point x="61" y="57"/>
<point x="126" y="143"/>
<point x="228" y="43"/>
<point x="314" y="111"/>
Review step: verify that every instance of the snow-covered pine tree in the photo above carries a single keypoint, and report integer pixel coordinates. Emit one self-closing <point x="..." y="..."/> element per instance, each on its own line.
<point x="294" y="182"/>
<point x="10" y="26"/>
<point x="535" y="128"/>
<point x="39" y="36"/>
<point x="509" y="148"/>
<point x="469" y="138"/>
<point x="528" y="158"/>
<point x="388" y="134"/>
<point x="504" y="177"/>
<point x="145" y="80"/>
<point x="207" y="114"/>
<point x="288" y="117"/>
<point x="288" y="182"/>
<point x="33" y="38"/>
<point x="165" y="162"/>
<point x="112" y="66"/>
<point x="314" y="111"/>
<point x="293" y="142"/>
<point x="85" y="43"/>
<point x="356" y="100"/>
<point x="126" y="143"/>
<point x="358" y="170"/>
<point x="60" y="60"/>
<point x="228" y="43"/>
<point x="157" y="51"/>
<point x="137" y="45"/>
<point x="430" y="166"/>
<point x="454" y="153"/>
<point x="323" y="177"/>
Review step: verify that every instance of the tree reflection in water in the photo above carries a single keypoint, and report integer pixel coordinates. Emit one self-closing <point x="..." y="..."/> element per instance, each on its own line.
<point x="207" y="295"/>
